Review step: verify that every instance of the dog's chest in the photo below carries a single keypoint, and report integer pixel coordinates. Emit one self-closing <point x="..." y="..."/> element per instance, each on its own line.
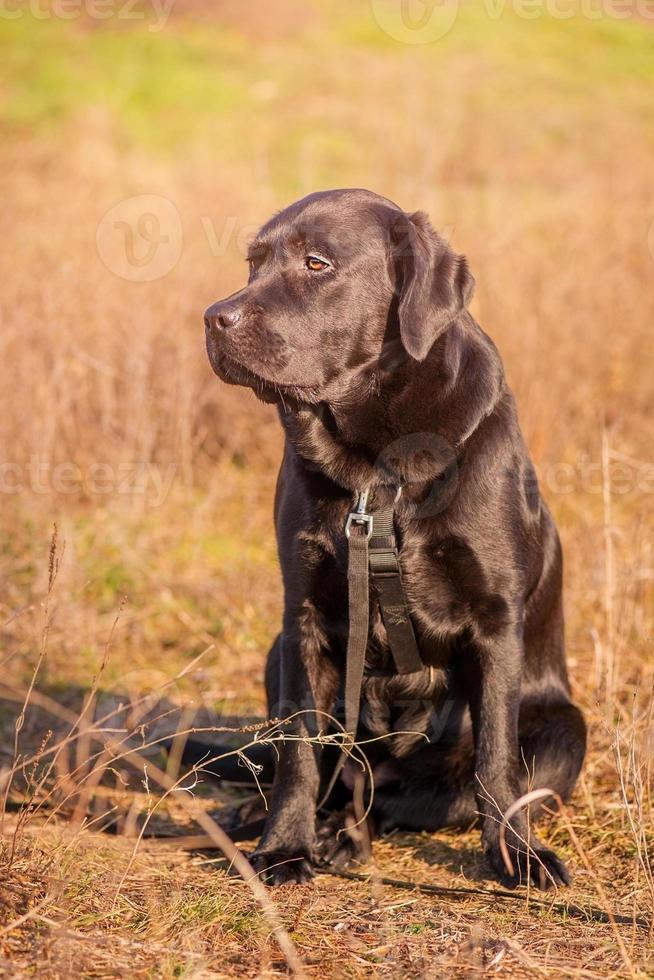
<point x="441" y="585"/>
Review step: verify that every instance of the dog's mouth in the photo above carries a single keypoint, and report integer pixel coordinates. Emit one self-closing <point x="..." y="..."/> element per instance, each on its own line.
<point x="271" y="392"/>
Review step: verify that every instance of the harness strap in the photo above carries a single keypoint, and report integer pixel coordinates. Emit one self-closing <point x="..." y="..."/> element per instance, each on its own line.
<point x="359" y="614"/>
<point x="372" y="551"/>
<point x="358" y="531"/>
<point x="387" y="580"/>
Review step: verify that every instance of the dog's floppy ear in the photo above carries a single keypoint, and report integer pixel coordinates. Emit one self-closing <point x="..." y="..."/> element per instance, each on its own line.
<point x="434" y="283"/>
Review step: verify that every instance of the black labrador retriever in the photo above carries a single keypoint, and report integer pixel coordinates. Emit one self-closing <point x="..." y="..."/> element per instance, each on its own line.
<point x="354" y="323"/>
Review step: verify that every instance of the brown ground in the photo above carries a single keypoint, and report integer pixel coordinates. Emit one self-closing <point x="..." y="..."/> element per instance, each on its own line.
<point x="530" y="142"/>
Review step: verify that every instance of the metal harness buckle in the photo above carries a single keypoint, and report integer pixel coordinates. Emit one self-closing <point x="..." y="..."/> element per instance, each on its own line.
<point x="359" y="515"/>
<point x="355" y="518"/>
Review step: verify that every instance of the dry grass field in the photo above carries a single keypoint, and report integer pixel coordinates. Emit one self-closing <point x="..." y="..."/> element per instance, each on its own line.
<point x="138" y="578"/>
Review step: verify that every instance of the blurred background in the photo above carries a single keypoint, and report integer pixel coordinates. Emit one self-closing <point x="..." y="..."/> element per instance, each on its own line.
<point x="142" y="145"/>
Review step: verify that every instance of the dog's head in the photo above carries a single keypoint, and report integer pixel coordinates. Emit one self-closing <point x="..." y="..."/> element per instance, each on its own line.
<point x="336" y="281"/>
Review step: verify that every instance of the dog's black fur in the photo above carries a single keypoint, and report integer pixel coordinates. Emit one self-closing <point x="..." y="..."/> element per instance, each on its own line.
<point x="381" y="377"/>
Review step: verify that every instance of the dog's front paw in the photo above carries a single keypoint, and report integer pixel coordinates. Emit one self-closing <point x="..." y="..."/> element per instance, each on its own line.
<point x="281" y="867"/>
<point x="340" y="842"/>
<point x="541" y="865"/>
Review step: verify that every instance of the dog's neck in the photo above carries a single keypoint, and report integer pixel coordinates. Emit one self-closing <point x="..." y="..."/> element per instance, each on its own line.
<point x="406" y="424"/>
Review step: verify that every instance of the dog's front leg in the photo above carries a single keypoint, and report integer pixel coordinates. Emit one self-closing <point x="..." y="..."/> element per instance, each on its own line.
<point x="307" y="688"/>
<point x="495" y="706"/>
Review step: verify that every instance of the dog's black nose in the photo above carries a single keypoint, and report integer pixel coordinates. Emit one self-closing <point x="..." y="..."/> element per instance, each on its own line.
<point x="228" y="316"/>
<point x="222" y="316"/>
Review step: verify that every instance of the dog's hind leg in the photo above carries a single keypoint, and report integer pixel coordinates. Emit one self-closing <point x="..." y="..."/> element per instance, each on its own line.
<point x="552" y="739"/>
<point x="436" y="786"/>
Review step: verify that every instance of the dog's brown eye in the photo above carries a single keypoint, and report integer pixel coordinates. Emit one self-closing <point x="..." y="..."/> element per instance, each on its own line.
<point x="315" y="264"/>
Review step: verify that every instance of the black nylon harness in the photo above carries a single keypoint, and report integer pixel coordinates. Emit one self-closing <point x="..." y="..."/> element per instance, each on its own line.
<point x="386" y="576"/>
<point x="373" y="558"/>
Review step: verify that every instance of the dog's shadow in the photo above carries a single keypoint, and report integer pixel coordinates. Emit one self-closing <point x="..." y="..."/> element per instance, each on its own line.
<point x="457" y="853"/>
<point x="65" y="735"/>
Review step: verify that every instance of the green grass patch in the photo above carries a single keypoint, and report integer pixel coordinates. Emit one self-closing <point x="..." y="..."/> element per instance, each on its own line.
<point x="157" y="88"/>
<point x="192" y="85"/>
